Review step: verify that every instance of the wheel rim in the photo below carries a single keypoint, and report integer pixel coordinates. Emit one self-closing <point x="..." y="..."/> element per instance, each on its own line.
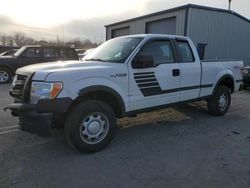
<point x="4" y="76"/>
<point x="94" y="128"/>
<point x="223" y="101"/>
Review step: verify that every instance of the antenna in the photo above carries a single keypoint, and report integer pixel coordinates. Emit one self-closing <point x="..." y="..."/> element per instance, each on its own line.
<point x="229" y="6"/>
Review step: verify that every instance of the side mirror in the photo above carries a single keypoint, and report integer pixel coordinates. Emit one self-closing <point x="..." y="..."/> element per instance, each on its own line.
<point x="143" y="61"/>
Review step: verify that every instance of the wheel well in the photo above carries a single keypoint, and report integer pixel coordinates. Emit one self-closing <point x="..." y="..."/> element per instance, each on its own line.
<point x="228" y="82"/>
<point x="115" y="103"/>
<point x="8" y="68"/>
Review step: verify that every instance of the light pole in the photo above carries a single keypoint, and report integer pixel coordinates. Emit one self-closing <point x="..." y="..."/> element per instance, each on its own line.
<point x="229" y="6"/>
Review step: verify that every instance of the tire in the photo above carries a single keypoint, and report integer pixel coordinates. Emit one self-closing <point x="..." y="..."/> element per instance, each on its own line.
<point x="220" y="102"/>
<point x="244" y="87"/>
<point x="5" y="76"/>
<point x="90" y="126"/>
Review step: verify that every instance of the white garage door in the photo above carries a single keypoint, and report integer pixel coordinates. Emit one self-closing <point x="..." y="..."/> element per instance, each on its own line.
<point x="120" y="32"/>
<point x="165" y="26"/>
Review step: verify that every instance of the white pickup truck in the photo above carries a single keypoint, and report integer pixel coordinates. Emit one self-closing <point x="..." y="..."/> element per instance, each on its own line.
<point x="122" y="77"/>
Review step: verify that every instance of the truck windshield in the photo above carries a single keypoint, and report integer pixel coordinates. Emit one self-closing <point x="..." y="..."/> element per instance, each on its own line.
<point x="115" y="50"/>
<point x="19" y="52"/>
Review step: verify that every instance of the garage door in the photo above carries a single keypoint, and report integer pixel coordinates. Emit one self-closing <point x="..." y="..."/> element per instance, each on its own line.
<point x="120" y="32"/>
<point x="166" y="26"/>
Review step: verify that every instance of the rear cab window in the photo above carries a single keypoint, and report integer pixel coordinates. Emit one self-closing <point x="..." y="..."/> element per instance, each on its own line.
<point x="185" y="51"/>
<point x="160" y="50"/>
<point x="50" y="53"/>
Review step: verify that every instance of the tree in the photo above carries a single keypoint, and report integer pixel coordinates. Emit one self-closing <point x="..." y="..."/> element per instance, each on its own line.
<point x="29" y="41"/>
<point x="4" y="40"/>
<point x="10" y="41"/>
<point x="19" y="38"/>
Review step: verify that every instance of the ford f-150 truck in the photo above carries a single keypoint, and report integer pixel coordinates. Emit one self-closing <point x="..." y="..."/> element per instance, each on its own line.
<point x="122" y="77"/>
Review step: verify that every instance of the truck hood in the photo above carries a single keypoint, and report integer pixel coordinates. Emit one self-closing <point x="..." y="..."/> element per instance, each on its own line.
<point x="42" y="70"/>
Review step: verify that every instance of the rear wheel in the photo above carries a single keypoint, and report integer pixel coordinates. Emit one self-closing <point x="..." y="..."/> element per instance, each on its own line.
<point x="90" y="126"/>
<point x="5" y="76"/>
<point x="220" y="102"/>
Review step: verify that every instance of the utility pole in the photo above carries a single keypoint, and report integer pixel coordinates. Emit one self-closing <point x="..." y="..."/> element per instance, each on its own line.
<point x="229" y="6"/>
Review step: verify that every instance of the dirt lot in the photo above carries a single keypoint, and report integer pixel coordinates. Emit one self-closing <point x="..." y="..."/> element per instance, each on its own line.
<point x="180" y="147"/>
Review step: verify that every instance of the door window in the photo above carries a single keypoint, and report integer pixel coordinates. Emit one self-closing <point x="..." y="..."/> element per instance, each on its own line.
<point x="185" y="51"/>
<point x="160" y="50"/>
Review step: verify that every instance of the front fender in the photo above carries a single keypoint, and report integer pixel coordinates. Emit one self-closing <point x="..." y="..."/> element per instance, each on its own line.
<point x="78" y="88"/>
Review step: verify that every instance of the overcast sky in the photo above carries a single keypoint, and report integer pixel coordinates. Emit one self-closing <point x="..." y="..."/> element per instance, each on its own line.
<point x="86" y="18"/>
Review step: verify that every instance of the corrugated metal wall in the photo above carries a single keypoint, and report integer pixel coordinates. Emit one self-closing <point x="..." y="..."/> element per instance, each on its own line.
<point x="139" y="26"/>
<point x="227" y="36"/>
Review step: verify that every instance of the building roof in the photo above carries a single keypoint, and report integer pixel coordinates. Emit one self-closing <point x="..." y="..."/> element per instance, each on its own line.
<point x="180" y="8"/>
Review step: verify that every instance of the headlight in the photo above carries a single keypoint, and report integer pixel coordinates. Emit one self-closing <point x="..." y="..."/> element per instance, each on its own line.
<point x="44" y="90"/>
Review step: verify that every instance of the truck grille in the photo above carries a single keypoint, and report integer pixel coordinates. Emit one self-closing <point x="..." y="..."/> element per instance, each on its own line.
<point x="19" y="88"/>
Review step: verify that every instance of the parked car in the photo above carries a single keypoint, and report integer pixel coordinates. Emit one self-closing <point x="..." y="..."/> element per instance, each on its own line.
<point x="9" y="52"/>
<point x="246" y="77"/>
<point x="122" y="77"/>
<point x="28" y="55"/>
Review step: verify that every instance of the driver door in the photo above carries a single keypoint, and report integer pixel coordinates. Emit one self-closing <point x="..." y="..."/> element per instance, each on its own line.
<point x="30" y="56"/>
<point x="156" y="85"/>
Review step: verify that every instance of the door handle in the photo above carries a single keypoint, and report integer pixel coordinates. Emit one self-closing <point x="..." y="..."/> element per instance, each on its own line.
<point x="176" y="72"/>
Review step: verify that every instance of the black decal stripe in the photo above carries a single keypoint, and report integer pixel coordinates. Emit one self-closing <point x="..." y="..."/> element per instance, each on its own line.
<point x="143" y="73"/>
<point x="206" y="86"/>
<point x="146" y="80"/>
<point x="146" y="76"/>
<point x="153" y="91"/>
<point x="148" y="84"/>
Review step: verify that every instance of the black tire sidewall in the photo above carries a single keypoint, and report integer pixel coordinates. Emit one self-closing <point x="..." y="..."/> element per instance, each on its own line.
<point x="213" y="103"/>
<point x="9" y="73"/>
<point x="75" y="118"/>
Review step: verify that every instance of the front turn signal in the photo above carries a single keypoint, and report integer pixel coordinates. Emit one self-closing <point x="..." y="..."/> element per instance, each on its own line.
<point x="56" y="88"/>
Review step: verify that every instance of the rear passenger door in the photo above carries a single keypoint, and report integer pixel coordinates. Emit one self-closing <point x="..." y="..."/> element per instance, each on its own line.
<point x="31" y="55"/>
<point x="157" y="85"/>
<point x="190" y="71"/>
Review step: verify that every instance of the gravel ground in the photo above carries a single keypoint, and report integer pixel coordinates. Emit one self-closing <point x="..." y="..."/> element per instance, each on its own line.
<point x="179" y="147"/>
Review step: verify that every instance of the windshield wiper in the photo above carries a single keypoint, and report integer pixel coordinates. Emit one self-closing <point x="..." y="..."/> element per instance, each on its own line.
<point x="94" y="59"/>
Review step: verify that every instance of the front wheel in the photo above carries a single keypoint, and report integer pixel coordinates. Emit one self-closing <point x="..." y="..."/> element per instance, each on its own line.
<point x="5" y="76"/>
<point x="90" y="126"/>
<point x="220" y="102"/>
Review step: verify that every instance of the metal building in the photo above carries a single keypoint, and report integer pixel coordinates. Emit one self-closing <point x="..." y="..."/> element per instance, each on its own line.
<point x="223" y="34"/>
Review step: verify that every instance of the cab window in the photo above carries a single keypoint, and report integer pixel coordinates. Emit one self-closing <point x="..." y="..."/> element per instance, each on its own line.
<point x="32" y="53"/>
<point x="161" y="52"/>
<point x="185" y="51"/>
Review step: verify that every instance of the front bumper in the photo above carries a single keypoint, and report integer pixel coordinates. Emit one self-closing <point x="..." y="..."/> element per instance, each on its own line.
<point x="246" y="80"/>
<point x="39" y="118"/>
<point x="36" y="123"/>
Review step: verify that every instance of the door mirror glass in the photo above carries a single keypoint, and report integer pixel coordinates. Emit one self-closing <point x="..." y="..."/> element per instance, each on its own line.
<point x="143" y="61"/>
